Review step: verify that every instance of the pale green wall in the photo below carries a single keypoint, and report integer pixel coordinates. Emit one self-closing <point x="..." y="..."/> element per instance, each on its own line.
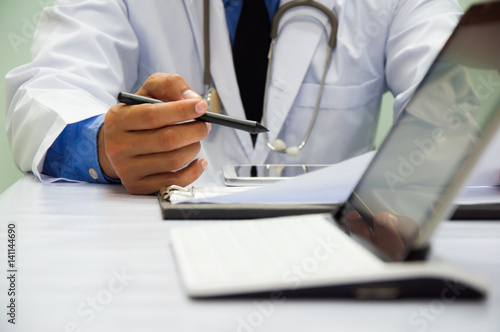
<point x="17" y="19"/>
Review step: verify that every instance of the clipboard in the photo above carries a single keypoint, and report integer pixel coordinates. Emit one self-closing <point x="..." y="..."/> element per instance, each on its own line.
<point x="206" y="211"/>
<point x="485" y="212"/>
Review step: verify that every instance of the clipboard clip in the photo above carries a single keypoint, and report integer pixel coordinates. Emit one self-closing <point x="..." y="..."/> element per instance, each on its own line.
<point x="167" y="192"/>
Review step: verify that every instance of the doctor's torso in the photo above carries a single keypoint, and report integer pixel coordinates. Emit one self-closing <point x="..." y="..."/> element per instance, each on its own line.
<point x="371" y="33"/>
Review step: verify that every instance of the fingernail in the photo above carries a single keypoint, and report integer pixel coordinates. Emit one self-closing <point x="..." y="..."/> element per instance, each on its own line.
<point x="190" y="94"/>
<point x="201" y="107"/>
<point x="209" y="126"/>
<point x="393" y="219"/>
<point x="386" y="220"/>
<point x="204" y="164"/>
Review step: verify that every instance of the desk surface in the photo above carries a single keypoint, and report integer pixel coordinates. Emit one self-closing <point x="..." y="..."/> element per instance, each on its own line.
<point x="94" y="258"/>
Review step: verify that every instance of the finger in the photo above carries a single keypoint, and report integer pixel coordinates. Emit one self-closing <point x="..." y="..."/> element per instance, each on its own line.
<point x="153" y="116"/>
<point x="165" y="139"/>
<point x="167" y="87"/>
<point x="183" y="177"/>
<point x="408" y="230"/>
<point x="386" y="235"/>
<point x="142" y="166"/>
<point x="355" y="223"/>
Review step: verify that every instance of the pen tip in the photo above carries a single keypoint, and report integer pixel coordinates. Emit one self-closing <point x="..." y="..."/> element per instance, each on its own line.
<point x="260" y="128"/>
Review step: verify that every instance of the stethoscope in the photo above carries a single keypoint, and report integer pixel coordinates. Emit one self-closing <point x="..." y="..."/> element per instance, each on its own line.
<point x="211" y="96"/>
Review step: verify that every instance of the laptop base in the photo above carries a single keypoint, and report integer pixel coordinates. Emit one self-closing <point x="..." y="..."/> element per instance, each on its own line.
<point x="456" y="286"/>
<point x="215" y="261"/>
<point x="425" y="288"/>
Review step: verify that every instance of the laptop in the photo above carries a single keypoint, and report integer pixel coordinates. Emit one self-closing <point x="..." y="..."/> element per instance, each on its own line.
<point x="375" y="245"/>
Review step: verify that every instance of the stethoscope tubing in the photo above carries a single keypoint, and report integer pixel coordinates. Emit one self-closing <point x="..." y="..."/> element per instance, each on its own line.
<point x="331" y="46"/>
<point x="332" y="40"/>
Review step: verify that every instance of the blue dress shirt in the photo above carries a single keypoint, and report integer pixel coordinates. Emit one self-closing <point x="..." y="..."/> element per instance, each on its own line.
<point x="73" y="155"/>
<point x="233" y="11"/>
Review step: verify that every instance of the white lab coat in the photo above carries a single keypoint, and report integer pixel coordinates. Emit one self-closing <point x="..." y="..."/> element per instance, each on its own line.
<point x="85" y="52"/>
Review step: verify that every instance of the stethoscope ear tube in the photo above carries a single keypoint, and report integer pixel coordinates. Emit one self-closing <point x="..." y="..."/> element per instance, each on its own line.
<point x="210" y="96"/>
<point x="206" y="44"/>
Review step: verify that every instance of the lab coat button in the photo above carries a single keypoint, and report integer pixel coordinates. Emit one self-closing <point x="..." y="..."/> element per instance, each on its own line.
<point x="93" y="174"/>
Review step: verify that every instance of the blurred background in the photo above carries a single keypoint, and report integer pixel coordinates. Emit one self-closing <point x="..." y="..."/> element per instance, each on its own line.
<point x="18" y="19"/>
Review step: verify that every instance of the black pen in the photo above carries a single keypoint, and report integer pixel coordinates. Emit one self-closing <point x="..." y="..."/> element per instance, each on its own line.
<point x="252" y="127"/>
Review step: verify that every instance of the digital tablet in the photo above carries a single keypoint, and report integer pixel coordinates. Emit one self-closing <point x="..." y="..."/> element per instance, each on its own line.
<point x="253" y="175"/>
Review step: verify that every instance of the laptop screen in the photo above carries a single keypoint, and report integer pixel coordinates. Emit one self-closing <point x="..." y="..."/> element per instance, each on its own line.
<point x="409" y="184"/>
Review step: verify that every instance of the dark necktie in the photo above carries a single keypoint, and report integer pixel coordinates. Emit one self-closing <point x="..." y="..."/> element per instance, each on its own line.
<point x="250" y="50"/>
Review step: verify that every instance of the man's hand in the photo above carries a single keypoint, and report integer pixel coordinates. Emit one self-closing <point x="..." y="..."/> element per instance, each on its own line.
<point x="391" y="233"/>
<point x="145" y="147"/>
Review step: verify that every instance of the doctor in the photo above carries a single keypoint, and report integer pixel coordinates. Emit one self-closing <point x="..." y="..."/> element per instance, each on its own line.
<point x="63" y="120"/>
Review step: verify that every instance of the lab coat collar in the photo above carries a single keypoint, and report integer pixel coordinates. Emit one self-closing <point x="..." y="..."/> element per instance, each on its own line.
<point x="223" y="74"/>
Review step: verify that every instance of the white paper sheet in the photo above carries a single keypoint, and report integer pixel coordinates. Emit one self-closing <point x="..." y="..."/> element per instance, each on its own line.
<point x="479" y="195"/>
<point x="334" y="184"/>
<point x="329" y="185"/>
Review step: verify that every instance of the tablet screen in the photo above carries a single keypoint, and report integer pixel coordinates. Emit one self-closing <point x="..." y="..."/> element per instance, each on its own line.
<point x="411" y="182"/>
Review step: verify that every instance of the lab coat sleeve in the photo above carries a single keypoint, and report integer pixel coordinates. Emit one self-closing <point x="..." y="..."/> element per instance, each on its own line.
<point x="419" y="30"/>
<point x="83" y="53"/>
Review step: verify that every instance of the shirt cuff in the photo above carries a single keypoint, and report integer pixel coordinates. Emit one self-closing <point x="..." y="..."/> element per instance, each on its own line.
<point x="74" y="154"/>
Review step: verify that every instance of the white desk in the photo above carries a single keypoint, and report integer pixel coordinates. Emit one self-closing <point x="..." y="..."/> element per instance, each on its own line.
<point x="73" y="238"/>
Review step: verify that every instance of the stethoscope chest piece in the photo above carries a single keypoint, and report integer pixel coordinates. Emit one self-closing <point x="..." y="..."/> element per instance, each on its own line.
<point x="280" y="146"/>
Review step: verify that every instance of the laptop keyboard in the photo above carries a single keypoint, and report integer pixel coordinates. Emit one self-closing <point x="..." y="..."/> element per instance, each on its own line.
<point x="299" y="246"/>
